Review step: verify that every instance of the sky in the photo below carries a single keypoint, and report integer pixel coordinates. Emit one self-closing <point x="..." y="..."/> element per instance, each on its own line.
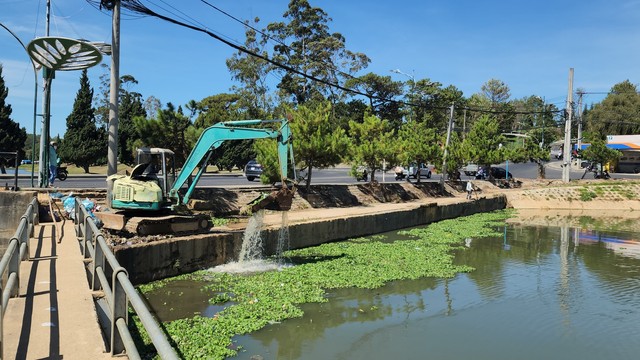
<point x="529" y="45"/>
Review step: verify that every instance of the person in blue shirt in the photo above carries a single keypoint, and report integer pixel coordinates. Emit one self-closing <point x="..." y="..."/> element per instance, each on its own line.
<point x="53" y="162"/>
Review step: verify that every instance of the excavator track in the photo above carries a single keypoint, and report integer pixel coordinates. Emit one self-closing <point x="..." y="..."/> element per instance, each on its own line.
<point x="170" y="224"/>
<point x="154" y="225"/>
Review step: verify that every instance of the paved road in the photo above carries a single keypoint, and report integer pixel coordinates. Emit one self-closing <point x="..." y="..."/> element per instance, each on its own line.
<point x="338" y="175"/>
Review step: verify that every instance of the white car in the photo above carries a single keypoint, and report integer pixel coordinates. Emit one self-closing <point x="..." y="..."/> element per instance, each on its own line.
<point x="470" y="169"/>
<point x="424" y="171"/>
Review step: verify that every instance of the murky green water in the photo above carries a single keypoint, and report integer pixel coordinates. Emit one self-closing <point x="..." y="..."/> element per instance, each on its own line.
<point x="537" y="293"/>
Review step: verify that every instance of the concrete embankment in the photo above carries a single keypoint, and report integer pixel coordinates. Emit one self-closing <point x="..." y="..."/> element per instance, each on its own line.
<point x="159" y="259"/>
<point x="13" y="204"/>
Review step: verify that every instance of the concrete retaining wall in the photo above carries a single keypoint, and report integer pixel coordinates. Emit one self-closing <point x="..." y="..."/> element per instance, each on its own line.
<point x="13" y="204"/>
<point x="156" y="260"/>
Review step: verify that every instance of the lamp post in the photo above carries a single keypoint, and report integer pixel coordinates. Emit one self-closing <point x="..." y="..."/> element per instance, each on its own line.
<point x="413" y="83"/>
<point x="35" y="101"/>
<point x="64" y="54"/>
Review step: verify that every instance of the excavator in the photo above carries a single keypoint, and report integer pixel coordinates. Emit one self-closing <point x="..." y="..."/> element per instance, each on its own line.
<point x="150" y="201"/>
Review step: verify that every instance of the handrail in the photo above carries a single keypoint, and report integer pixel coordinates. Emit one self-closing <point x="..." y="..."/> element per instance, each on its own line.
<point x="119" y="293"/>
<point x="17" y="250"/>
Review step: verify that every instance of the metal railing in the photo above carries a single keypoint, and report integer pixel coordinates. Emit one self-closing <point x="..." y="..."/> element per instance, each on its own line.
<point x="119" y="292"/>
<point x="17" y="250"/>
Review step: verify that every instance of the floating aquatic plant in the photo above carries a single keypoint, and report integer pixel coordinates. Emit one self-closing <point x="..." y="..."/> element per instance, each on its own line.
<point x="257" y="300"/>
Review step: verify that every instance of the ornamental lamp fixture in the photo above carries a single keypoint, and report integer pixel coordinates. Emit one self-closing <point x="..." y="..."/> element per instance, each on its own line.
<point x="57" y="53"/>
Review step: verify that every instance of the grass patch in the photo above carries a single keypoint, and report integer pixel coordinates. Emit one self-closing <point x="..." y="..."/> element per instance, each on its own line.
<point x="255" y="301"/>
<point x="586" y="194"/>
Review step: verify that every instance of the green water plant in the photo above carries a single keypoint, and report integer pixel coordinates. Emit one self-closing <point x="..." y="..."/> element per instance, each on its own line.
<point x="257" y="300"/>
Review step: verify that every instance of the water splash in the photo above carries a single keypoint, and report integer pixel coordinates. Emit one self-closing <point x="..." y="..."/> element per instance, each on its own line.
<point x="248" y="267"/>
<point x="250" y="259"/>
<point x="252" y="240"/>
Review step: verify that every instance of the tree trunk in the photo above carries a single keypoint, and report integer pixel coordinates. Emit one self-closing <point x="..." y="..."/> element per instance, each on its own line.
<point x="308" y="180"/>
<point x="541" y="170"/>
<point x="85" y="168"/>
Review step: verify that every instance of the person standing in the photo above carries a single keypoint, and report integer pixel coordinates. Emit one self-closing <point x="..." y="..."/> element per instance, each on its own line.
<point x="53" y="162"/>
<point x="469" y="190"/>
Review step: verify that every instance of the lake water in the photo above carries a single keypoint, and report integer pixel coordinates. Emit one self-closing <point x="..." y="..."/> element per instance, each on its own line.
<point x="537" y="293"/>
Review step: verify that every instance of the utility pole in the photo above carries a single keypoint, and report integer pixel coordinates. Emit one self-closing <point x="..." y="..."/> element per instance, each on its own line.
<point x="544" y="105"/>
<point x="47" y="76"/>
<point x="112" y="155"/>
<point x="446" y="148"/>
<point x="464" y="124"/>
<point x="579" y="141"/>
<point x="566" y="169"/>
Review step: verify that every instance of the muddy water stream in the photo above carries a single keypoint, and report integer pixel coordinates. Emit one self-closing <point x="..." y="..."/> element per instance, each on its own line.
<point x="543" y="292"/>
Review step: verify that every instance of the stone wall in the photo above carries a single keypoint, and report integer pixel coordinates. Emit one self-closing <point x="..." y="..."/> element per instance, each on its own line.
<point x="13" y="204"/>
<point x="151" y="261"/>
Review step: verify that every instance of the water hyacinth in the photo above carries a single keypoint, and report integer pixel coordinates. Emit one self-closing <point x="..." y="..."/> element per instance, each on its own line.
<point x="257" y="300"/>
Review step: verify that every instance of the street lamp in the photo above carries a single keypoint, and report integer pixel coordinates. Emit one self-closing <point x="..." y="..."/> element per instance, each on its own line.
<point x="398" y="71"/>
<point x="36" y="67"/>
<point x="413" y="85"/>
<point x="64" y="54"/>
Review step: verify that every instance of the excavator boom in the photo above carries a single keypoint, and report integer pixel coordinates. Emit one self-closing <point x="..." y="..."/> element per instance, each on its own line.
<point x="215" y="135"/>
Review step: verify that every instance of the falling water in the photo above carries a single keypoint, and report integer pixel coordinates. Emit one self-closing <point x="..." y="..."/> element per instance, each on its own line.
<point x="250" y="259"/>
<point x="252" y="240"/>
<point x="283" y="236"/>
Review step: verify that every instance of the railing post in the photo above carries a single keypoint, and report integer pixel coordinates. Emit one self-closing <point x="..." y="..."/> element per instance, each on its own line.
<point x="98" y="263"/>
<point x="14" y="267"/>
<point x="24" y="237"/>
<point x="118" y="311"/>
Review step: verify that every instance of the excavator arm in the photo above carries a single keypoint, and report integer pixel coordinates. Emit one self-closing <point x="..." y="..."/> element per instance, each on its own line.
<point x="214" y="136"/>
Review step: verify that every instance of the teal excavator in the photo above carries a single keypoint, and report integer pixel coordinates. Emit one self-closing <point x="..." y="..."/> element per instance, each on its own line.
<point x="150" y="201"/>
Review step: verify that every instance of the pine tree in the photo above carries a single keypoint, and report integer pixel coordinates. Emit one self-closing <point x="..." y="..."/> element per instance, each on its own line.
<point x="130" y="107"/>
<point x="84" y="143"/>
<point x="12" y="137"/>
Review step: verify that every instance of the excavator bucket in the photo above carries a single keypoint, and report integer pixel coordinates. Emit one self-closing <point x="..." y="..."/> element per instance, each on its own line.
<point x="276" y="200"/>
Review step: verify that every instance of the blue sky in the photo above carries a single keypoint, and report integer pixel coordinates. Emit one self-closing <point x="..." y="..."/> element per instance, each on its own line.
<point x="530" y="45"/>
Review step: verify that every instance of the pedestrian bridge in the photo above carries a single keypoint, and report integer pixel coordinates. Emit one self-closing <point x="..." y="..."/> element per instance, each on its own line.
<point x="64" y="295"/>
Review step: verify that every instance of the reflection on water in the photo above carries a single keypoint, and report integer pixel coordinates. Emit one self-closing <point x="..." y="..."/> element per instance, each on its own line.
<point x="537" y="293"/>
<point x="621" y="246"/>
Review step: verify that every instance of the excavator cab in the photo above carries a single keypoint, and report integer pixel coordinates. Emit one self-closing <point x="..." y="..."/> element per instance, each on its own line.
<point x="159" y="165"/>
<point x="147" y="186"/>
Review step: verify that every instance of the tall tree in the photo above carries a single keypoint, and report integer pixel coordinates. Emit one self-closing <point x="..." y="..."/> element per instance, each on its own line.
<point x="251" y="72"/>
<point x="381" y="92"/>
<point x="12" y="137"/>
<point x="84" y="143"/>
<point x="372" y="143"/>
<point x="455" y="156"/>
<point x="152" y="106"/>
<point x="130" y="107"/>
<point x="312" y="50"/>
<point x="317" y="141"/>
<point x="167" y="130"/>
<point x="496" y="91"/>
<point x="218" y="108"/>
<point x="419" y="143"/>
<point x="226" y="107"/>
<point x="496" y="94"/>
<point x="618" y="113"/>
<point x="482" y="144"/>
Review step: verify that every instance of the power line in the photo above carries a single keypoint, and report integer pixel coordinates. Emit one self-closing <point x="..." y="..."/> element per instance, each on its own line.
<point x="136" y="6"/>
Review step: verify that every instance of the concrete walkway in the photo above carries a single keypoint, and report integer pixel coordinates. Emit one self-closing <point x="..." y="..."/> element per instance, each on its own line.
<point x="54" y="316"/>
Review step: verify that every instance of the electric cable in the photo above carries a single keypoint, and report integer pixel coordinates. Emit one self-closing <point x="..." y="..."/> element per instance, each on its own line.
<point x="137" y="7"/>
